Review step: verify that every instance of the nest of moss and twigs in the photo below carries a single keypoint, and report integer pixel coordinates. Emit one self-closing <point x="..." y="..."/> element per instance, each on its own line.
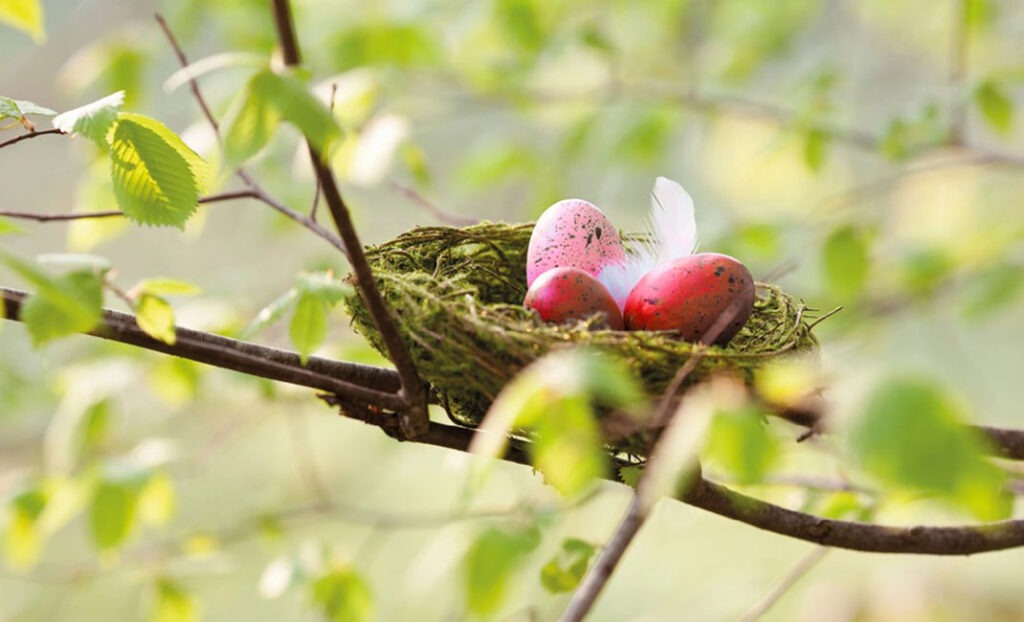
<point x="456" y="295"/>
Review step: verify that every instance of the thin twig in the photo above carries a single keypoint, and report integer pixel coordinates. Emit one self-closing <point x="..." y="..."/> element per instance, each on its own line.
<point x="413" y="417"/>
<point x="58" y="217"/>
<point x="316" y="194"/>
<point x="180" y="53"/>
<point x="21" y="137"/>
<point x="795" y="574"/>
<point x="433" y="210"/>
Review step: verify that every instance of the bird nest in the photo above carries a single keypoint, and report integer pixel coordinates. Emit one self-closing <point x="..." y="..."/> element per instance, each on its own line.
<point x="456" y="295"/>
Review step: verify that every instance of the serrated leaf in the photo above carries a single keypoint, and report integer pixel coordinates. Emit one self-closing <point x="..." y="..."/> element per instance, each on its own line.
<point x="113" y="513"/>
<point x="490" y="563"/>
<point x="249" y="125"/>
<point x="19" y="110"/>
<point x="297" y="105"/>
<point x="911" y="436"/>
<point x="342" y="595"/>
<point x="995" y="105"/>
<point x="93" y="120"/>
<point x="157" y="178"/>
<point x="159" y="286"/>
<point x="566" y="569"/>
<point x="63" y="306"/>
<point x="25" y="15"/>
<point x="845" y="261"/>
<point x="172" y="603"/>
<point x="308" y="327"/>
<point x="155" y="317"/>
<point x="324" y="286"/>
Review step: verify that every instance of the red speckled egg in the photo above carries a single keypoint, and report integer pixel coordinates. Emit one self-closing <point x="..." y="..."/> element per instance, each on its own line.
<point x="689" y="294"/>
<point x="572" y="233"/>
<point x="567" y="294"/>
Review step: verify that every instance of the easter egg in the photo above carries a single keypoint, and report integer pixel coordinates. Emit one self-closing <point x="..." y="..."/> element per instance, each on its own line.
<point x="690" y="294"/>
<point x="572" y="233"/>
<point x="567" y="294"/>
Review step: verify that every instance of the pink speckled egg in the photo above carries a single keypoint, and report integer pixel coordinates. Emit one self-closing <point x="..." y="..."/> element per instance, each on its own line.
<point x="572" y="234"/>
<point x="563" y="295"/>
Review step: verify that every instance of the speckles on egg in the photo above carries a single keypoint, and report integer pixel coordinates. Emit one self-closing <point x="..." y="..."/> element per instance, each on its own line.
<point x="569" y="294"/>
<point x="572" y="233"/>
<point x="690" y="294"/>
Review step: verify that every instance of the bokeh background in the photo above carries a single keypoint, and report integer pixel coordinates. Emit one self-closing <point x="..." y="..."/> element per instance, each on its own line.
<point x="863" y="153"/>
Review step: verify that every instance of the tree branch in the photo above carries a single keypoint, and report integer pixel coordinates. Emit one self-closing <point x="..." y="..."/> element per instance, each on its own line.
<point x="795" y="574"/>
<point x="361" y="382"/>
<point x="21" y="137"/>
<point x="413" y="417"/>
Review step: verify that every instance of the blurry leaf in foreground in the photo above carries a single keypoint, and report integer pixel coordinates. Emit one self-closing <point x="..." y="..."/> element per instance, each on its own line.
<point x="166" y="287"/>
<point x="912" y="437"/>
<point x="740" y="442"/>
<point x="555" y="397"/>
<point x="995" y="105"/>
<point x="7" y="227"/>
<point x="155" y="317"/>
<point x="249" y="125"/>
<point x="342" y="595"/>
<point x="308" y="327"/>
<point x="565" y="571"/>
<point x="174" y="380"/>
<point x="990" y="290"/>
<point x="171" y="603"/>
<point x="23" y="537"/>
<point x="490" y="563"/>
<point x="62" y="306"/>
<point x="324" y="286"/>
<point x="298" y="106"/>
<point x="25" y="15"/>
<point x="113" y="513"/>
<point x="845" y="261"/>
<point x="271" y="313"/>
<point x="157" y="500"/>
<point x="815" y="148"/>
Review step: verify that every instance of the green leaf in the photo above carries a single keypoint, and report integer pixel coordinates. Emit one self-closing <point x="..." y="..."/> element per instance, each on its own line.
<point x="23" y="535"/>
<point x="294" y="102"/>
<point x="342" y="595"/>
<point x="63" y="306"/>
<point x="993" y="289"/>
<point x="157" y="500"/>
<point x="740" y="443"/>
<point x="845" y="261"/>
<point x="521" y="23"/>
<point x="568" y="449"/>
<point x="385" y="43"/>
<point x="912" y="436"/>
<point x="75" y="262"/>
<point x="171" y="603"/>
<point x="155" y="317"/>
<point x="995" y="105"/>
<point x="566" y="569"/>
<point x="249" y="126"/>
<point x="25" y="15"/>
<point x="490" y="563"/>
<point x="815" y="148"/>
<point x="271" y="313"/>
<point x="324" y="286"/>
<point x="19" y="109"/>
<point x="309" y="324"/>
<point x="112" y="516"/>
<point x="93" y="120"/>
<point x="7" y="227"/>
<point x="157" y="178"/>
<point x="159" y="286"/>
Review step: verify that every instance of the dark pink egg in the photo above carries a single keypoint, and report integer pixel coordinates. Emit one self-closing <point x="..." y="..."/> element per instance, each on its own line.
<point x="690" y="294"/>
<point x="572" y="233"/>
<point x="569" y="294"/>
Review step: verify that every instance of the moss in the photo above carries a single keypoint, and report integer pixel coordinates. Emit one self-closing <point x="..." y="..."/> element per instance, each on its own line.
<point x="457" y="297"/>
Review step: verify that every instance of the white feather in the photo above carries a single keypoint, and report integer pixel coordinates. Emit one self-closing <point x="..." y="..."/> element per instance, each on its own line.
<point x="670" y="231"/>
